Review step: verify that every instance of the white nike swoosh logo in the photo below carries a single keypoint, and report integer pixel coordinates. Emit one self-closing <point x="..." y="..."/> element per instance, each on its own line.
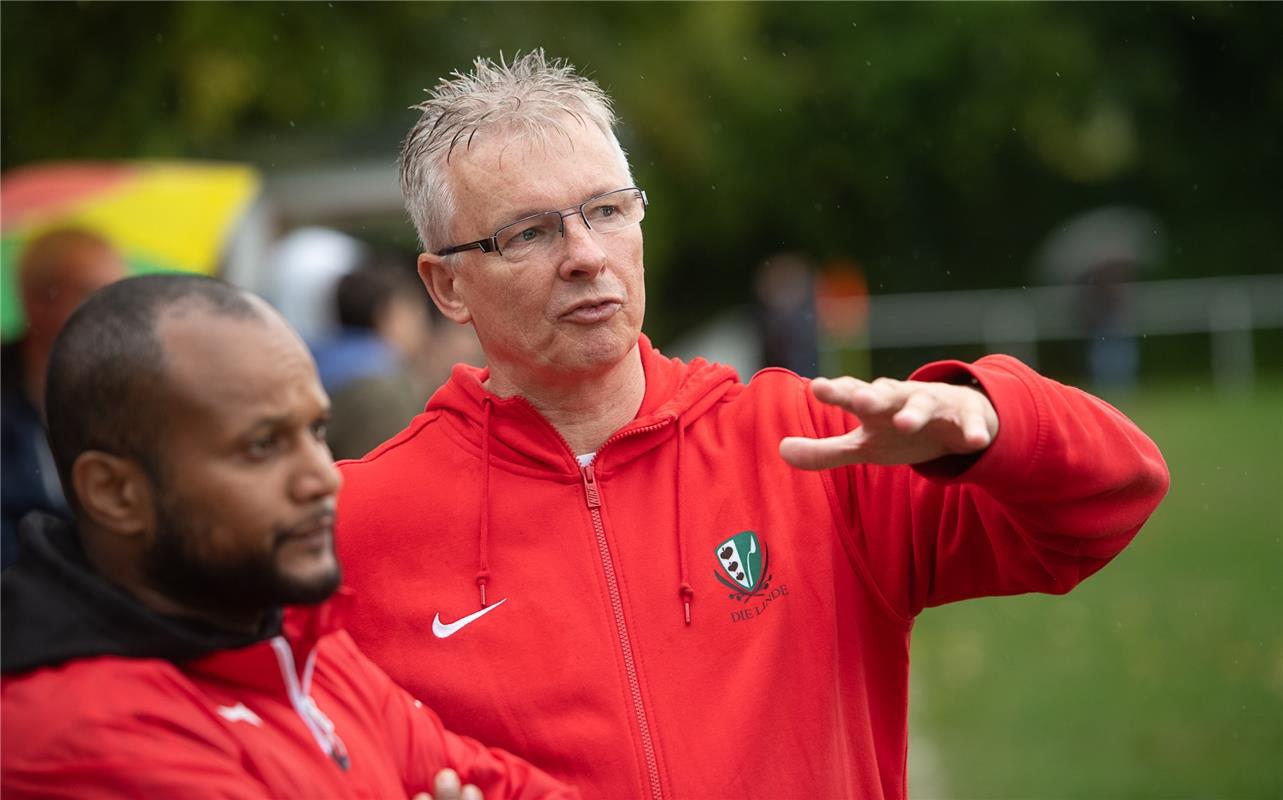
<point x="442" y="630"/>
<point x="239" y="713"/>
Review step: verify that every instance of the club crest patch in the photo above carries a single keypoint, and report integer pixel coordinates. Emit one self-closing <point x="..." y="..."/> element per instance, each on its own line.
<point x="745" y="565"/>
<point x="745" y="569"/>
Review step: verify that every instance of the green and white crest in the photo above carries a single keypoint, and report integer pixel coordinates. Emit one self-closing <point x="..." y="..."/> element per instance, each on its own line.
<point x="742" y="559"/>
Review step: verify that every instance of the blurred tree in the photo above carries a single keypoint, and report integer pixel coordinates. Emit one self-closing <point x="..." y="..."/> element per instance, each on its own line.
<point x="936" y="143"/>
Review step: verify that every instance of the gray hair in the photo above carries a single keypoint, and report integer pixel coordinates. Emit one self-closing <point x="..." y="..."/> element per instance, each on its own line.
<point x="528" y="97"/>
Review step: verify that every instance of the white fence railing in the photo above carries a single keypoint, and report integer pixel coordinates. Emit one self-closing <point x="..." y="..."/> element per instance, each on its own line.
<point x="1015" y="320"/>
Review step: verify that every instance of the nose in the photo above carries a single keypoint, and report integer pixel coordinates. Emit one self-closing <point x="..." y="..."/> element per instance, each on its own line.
<point x="316" y="477"/>
<point x="583" y="257"/>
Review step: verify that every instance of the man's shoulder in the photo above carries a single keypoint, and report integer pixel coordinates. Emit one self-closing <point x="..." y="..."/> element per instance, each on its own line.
<point x="770" y="390"/>
<point x="776" y="379"/>
<point x="96" y="684"/>
<point x="97" y="702"/>
<point x="423" y="431"/>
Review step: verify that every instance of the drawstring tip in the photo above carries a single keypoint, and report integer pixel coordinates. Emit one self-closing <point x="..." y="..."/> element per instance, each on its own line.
<point x="687" y="603"/>
<point x="482" y="587"/>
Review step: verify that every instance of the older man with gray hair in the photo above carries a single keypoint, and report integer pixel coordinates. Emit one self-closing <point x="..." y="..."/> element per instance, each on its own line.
<point x="644" y="575"/>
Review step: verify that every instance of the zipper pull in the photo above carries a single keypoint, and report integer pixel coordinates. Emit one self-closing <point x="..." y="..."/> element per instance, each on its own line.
<point x="590" y="487"/>
<point x="339" y="754"/>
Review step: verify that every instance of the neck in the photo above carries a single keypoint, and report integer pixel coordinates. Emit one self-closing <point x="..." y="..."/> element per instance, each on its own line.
<point x="585" y="410"/>
<point x="35" y="359"/>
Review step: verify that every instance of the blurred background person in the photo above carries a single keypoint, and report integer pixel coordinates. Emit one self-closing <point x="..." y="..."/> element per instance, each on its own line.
<point x="1104" y="251"/>
<point x="303" y="270"/>
<point x="57" y="271"/>
<point x="785" y="290"/>
<point x="369" y="367"/>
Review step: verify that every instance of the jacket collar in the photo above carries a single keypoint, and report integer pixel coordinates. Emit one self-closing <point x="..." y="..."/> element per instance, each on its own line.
<point x="257" y="665"/>
<point x="522" y="437"/>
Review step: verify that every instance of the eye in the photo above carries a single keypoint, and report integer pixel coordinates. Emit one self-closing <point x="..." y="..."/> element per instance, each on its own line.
<point x="529" y="234"/>
<point x="319" y="429"/>
<point x="263" y="446"/>
<point x="524" y="236"/>
<point x="607" y="211"/>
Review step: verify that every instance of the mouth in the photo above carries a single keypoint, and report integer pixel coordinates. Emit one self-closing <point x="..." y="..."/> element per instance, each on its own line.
<point x="312" y="529"/>
<point x="593" y="310"/>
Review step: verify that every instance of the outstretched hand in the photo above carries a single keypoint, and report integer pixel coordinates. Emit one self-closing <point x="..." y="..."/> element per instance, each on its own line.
<point x="902" y="422"/>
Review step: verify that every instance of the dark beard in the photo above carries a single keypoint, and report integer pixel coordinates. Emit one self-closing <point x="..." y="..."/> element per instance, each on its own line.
<point x="242" y="589"/>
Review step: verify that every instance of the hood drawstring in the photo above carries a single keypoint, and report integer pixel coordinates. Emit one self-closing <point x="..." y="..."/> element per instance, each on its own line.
<point x="684" y="591"/>
<point x="483" y="571"/>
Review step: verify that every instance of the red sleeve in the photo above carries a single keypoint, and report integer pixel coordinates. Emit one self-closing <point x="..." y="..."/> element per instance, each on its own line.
<point x="139" y="764"/>
<point x="1065" y="485"/>
<point x="423" y="747"/>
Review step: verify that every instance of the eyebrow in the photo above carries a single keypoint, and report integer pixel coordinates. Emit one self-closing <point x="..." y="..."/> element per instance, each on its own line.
<point x="533" y="211"/>
<point x="280" y="420"/>
<point x="264" y="422"/>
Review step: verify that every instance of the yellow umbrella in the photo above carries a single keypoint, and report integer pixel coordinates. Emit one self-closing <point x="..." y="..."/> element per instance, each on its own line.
<point x="161" y="215"/>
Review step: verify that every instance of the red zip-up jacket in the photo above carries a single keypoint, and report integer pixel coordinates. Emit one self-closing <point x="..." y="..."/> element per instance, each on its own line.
<point x="791" y="677"/>
<point x="302" y="714"/>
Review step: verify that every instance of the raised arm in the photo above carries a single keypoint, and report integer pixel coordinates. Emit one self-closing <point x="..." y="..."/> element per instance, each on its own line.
<point x="980" y="479"/>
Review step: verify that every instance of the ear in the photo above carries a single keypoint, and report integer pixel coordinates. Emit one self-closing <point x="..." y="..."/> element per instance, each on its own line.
<point x="114" y="492"/>
<point x="439" y="279"/>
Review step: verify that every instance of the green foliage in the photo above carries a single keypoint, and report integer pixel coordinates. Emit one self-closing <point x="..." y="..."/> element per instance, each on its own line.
<point x="934" y="143"/>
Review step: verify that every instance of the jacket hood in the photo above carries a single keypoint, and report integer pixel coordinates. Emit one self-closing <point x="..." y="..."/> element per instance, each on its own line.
<point x="55" y="608"/>
<point x="518" y="434"/>
<point x="511" y="430"/>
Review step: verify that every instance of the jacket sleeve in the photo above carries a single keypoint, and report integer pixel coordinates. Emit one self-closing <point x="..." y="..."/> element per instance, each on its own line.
<point x="423" y="747"/>
<point x="140" y="764"/>
<point x="1063" y="488"/>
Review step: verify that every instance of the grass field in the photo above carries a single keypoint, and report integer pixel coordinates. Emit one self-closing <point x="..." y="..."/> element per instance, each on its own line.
<point x="1162" y="676"/>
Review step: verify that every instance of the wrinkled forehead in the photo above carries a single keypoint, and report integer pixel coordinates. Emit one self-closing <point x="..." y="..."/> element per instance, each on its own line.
<point x="513" y="169"/>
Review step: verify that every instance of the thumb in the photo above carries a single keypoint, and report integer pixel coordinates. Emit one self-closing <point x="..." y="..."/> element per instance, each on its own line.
<point x="814" y="454"/>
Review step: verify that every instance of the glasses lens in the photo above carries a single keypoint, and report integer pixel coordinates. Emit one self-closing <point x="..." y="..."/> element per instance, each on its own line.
<point x="616" y="210"/>
<point x="529" y="235"/>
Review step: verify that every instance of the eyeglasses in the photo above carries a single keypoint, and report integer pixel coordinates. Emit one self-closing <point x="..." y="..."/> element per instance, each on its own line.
<point x="605" y="213"/>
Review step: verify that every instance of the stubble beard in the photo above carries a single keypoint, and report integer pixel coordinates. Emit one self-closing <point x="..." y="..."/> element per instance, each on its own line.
<point x="234" y="589"/>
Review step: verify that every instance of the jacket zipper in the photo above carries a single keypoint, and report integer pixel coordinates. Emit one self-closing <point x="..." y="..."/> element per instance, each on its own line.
<point x="319" y="725"/>
<point x="593" y="497"/>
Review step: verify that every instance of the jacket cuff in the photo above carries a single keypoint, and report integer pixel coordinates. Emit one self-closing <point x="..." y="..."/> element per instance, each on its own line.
<point x="1015" y="448"/>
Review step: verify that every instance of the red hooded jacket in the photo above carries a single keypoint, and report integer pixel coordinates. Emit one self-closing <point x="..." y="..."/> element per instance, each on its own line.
<point x="791" y="677"/>
<point x="299" y="714"/>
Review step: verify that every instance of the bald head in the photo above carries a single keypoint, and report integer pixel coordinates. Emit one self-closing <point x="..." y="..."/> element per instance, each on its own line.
<point x="58" y="270"/>
<point x="108" y="370"/>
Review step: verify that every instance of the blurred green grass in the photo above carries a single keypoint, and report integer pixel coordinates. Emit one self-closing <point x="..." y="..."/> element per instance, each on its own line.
<point x="1160" y="677"/>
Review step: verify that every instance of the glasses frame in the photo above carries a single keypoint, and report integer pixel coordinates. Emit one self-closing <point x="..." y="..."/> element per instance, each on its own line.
<point x="490" y="244"/>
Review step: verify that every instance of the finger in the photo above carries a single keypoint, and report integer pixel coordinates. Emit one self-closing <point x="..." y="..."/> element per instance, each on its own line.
<point x="836" y="451"/>
<point x="834" y="391"/>
<point x="446" y="785"/>
<point x="471" y="792"/>
<point x="918" y="409"/>
<point x="422" y="796"/>
<point x="856" y="396"/>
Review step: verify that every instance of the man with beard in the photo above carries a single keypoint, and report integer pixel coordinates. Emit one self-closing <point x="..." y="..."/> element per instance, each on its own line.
<point x="183" y="637"/>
